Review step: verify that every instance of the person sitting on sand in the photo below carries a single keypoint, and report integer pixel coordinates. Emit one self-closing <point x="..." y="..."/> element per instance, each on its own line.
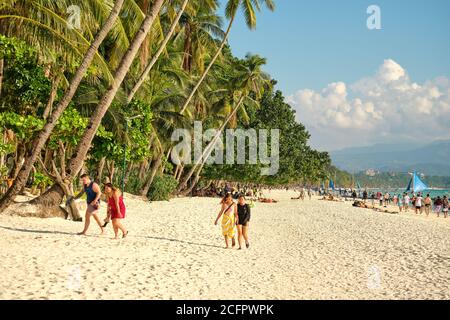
<point x="116" y="209"/>
<point x="266" y="200"/>
<point x="93" y="194"/>
<point x="445" y="206"/>
<point x="243" y="210"/>
<point x="229" y="219"/>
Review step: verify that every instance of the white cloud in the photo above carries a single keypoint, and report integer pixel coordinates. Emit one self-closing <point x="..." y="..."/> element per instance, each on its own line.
<point x="386" y="107"/>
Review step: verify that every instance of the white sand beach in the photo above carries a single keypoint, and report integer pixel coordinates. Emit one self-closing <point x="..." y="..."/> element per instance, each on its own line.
<point x="299" y="250"/>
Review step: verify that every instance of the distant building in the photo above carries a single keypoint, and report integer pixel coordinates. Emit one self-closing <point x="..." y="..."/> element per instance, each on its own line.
<point x="372" y="172"/>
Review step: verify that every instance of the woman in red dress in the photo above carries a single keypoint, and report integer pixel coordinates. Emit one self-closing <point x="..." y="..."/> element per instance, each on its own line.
<point x="116" y="209"/>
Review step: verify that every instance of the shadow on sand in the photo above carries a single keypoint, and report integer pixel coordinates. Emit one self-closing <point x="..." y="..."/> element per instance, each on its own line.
<point x="144" y="237"/>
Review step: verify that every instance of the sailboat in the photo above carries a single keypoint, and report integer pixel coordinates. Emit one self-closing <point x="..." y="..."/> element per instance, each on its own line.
<point x="331" y="185"/>
<point x="416" y="185"/>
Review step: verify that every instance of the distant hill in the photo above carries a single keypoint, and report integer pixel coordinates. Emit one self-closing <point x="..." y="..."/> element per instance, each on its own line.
<point x="431" y="159"/>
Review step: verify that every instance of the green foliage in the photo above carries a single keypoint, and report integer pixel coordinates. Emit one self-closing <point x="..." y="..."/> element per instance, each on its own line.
<point x="69" y="129"/>
<point x="162" y="187"/>
<point x="24" y="80"/>
<point x="136" y="135"/>
<point x="41" y="180"/>
<point x="24" y="127"/>
<point x="298" y="162"/>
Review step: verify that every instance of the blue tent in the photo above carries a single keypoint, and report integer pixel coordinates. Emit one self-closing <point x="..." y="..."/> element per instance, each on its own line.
<point x="331" y="185"/>
<point x="416" y="185"/>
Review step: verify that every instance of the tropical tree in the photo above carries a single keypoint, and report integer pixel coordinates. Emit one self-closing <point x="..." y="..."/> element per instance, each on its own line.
<point x="249" y="81"/>
<point x="54" y="195"/>
<point x="232" y="6"/>
<point x="52" y="120"/>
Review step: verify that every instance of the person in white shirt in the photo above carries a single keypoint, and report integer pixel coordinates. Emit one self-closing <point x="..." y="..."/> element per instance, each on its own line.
<point x="406" y="200"/>
<point x="419" y="203"/>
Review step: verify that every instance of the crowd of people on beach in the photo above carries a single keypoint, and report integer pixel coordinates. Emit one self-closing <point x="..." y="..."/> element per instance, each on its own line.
<point x="405" y="201"/>
<point x="235" y="216"/>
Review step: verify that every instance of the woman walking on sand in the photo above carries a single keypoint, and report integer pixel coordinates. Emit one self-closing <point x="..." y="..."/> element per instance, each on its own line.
<point x="116" y="209"/>
<point x="243" y="210"/>
<point x="229" y="220"/>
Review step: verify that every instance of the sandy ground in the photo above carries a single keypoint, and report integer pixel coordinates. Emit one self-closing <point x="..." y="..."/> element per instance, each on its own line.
<point x="299" y="250"/>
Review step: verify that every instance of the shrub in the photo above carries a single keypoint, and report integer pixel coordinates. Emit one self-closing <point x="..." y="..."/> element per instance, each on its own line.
<point x="162" y="187"/>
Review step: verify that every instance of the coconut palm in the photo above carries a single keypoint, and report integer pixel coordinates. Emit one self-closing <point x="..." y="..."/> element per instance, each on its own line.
<point x="40" y="141"/>
<point x="156" y="56"/>
<point x="249" y="80"/>
<point x="249" y="7"/>
<point x="56" y="193"/>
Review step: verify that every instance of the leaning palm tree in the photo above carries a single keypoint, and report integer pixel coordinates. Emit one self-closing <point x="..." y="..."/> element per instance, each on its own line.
<point x="43" y="136"/>
<point x="199" y="33"/>
<point x="55" y="194"/>
<point x="250" y="80"/>
<point x="156" y="56"/>
<point x="249" y="7"/>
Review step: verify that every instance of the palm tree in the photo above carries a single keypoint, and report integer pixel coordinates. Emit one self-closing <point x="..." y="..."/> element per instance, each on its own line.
<point x="199" y="32"/>
<point x="249" y="7"/>
<point x="155" y="58"/>
<point x="43" y="136"/>
<point x="56" y="193"/>
<point x="250" y="79"/>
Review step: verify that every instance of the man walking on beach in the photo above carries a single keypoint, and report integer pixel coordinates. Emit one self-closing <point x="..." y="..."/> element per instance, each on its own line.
<point x="93" y="194"/>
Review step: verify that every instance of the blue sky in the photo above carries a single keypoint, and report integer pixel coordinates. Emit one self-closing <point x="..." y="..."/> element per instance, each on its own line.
<point x="352" y="86"/>
<point x="309" y="44"/>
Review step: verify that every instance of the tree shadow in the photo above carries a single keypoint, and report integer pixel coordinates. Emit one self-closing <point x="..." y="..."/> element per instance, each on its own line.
<point x="137" y="236"/>
<point x="180" y="241"/>
<point x="39" y="231"/>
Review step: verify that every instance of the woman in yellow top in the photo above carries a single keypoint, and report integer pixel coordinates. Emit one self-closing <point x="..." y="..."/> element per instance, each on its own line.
<point x="230" y="219"/>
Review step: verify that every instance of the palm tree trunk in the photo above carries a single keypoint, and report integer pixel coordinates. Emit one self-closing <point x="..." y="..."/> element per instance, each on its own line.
<point x="1" y="74"/>
<point x="219" y="50"/>
<point x="152" y="175"/>
<point x="101" y="166"/>
<point x="51" y="99"/>
<point x="41" y="139"/>
<point x="158" y="53"/>
<point x="127" y="175"/>
<point x="207" y="152"/>
<point x="195" y="181"/>
<point x="180" y="173"/>
<point x="142" y="169"/>
<point x="94" y="122"/>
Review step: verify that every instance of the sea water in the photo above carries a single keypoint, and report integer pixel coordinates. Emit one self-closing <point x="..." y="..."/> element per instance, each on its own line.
<point x="434" y="193"/>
